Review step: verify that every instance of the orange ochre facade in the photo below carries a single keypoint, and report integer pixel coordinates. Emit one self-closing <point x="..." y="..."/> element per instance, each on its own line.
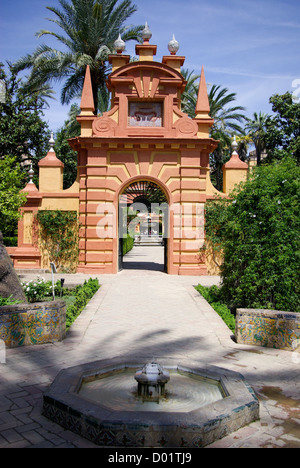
<point x="144" y="137"/>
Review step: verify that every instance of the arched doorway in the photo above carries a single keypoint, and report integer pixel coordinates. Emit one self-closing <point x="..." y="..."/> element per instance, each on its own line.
<point x="143" y="227"/>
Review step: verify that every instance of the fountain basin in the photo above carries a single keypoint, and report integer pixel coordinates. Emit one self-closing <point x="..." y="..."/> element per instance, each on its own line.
<point x="118" y="420"/>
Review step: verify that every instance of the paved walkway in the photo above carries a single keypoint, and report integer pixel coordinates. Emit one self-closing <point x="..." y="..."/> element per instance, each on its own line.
<point x="148" y="314"/>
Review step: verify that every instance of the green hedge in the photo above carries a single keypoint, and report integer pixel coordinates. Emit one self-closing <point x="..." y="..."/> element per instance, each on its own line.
<point x="82" y="296"/>
<point x="76" y="299"/>
<point x="212" y="296"/>
<point x="128" y="243"/>
<point x="257" y="230"/>
<point x="10" y="241"/>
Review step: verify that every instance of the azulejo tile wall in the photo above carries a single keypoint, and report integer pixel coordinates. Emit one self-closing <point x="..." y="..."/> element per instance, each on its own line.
<point x="30" y="324"/>
<point x="268" y="328"/>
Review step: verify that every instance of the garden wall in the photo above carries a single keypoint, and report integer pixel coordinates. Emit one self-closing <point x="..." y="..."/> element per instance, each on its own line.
<point x="30" y="324"/>
<point x="268" y="328"/>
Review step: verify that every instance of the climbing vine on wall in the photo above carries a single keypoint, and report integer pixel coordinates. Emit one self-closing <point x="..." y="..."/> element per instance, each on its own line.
<point x="59" y="237"/>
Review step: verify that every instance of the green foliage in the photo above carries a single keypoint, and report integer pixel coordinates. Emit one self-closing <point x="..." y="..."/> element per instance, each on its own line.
<point x="59" y="237"/>
<point x="76" y="299"/>
<point x="64" y="152"/>
<point x="257" y="132"/>
<point x="4" y="301"/>
<point x="11" y="182"/>
<point x="227" y="120"/>
<point x="213" y="296"/>
<point x="10" y="241"/>
<point x="37" y="290"/>
<point x="86" y="31"/>
<point x="82" y="296"/>
<point x="127" y="244"/>
<point x="257" y="230"/>
<point x="190" y="94"/>
<point x="23" y="133"/>
<point x="283" y="130"/>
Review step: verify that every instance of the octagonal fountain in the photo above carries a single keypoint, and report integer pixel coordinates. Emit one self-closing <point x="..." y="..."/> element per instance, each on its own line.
<point x="129" y="404"/>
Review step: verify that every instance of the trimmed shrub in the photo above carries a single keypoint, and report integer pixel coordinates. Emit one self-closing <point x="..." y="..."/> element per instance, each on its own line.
<point x="213" y="296"/>
<point x="258" y="231"/>
<point x="82" y="296"/>
<point x="128" y="243"/>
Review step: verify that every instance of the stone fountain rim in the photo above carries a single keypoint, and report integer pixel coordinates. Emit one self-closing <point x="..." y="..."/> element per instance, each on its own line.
<point x="63" y="394"/>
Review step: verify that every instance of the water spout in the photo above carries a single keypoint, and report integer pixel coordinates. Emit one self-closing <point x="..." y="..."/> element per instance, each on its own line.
<point x="151" y="382"/>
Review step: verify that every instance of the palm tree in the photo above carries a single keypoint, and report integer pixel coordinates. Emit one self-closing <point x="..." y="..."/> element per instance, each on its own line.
<point x="257" y="132"/>
<point x="219" y="157"/>
<point x="227" y="120"/>
<point x="243" y="141"/>
<point x="189" y="96"/>
<point x="224" y="117"/>
<point x="89" y="29"/>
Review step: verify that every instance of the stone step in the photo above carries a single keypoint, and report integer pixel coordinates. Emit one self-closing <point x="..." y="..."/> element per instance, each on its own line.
<point x="148" y="240"/>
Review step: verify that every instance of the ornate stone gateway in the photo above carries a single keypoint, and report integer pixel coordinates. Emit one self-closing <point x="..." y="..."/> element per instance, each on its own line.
<point x="144" y="139"/>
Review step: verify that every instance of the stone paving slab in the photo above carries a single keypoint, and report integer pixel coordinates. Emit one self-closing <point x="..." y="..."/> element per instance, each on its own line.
<point x="148" y="315"/>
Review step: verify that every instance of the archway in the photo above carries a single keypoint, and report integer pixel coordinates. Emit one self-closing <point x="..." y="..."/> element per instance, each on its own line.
<point x="143" y="226"/>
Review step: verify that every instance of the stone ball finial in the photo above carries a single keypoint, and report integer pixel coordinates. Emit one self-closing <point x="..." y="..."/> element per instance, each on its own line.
<point x="146" y="33"/>
<point x="173" y="46"/>
<point x="119" y="45"/>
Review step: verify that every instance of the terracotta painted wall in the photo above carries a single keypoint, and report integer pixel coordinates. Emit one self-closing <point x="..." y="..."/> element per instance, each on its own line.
<point x="179" y="169"/>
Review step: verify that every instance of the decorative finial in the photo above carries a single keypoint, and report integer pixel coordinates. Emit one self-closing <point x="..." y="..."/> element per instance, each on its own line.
<point x="173" y="46"/>
<point x="119" y="45"/>
<point x="234" y="144"/>
<point x="146" y="33"/>
<point x="31" y="174"/>
<point x="52" y="142"/>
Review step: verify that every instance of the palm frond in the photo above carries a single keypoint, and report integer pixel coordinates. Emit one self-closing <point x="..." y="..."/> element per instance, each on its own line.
<point x="88" y="30"/>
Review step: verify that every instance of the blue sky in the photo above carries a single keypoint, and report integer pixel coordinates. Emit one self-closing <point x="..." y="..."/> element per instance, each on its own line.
<point x="250" y="47"/>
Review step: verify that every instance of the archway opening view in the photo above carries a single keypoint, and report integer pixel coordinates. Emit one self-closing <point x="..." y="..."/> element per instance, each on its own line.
<point x="143" y="227"/>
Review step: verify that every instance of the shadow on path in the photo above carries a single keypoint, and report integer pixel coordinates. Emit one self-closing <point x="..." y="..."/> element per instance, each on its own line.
<point x="149" y="258"/>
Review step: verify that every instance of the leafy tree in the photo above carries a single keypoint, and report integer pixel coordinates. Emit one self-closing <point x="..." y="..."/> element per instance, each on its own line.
<point x="23" y="133"/>
<point x="256" y="128"/>
<point x="89" y="29"/>
<point x="11" y="199"/>
<point x="283" y="130"/>
<point x="64" y="152"/>
<point x="257" y="230"/>
<point x="71" y="129"/>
